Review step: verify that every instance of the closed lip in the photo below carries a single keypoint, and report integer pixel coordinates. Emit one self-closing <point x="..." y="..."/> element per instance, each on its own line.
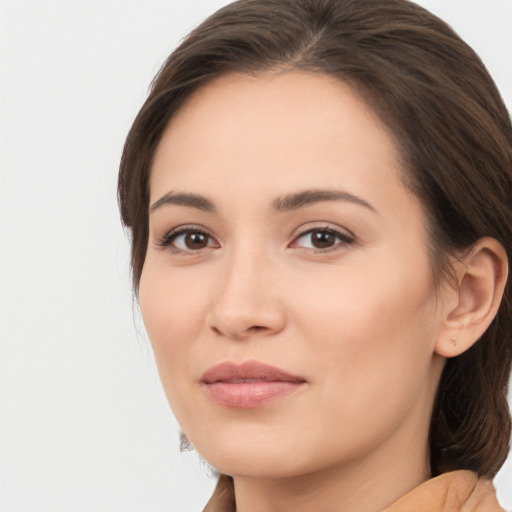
<point x="250" y="371"/>
<point x="249" y="385"/>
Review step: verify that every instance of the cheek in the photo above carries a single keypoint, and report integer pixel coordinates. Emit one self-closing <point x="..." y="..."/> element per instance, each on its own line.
<point x="173" y="307"/>
<point x="171" y="300"/>
<point x="369" y="340"/>
<point x="371" y="321"/>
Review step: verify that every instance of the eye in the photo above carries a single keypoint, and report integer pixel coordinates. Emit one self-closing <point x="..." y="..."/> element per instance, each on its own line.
<point x="187" y="240"/>
<point x="322" y="239"/>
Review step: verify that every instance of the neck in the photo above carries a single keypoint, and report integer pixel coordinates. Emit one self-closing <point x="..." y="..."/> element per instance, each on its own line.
<point x="363" y="486"/>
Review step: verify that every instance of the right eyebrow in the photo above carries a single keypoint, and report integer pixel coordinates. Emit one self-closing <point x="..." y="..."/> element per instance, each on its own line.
<point x="184" y="199"/>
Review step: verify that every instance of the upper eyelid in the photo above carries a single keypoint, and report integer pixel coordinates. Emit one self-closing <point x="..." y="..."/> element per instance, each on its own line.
<point x="184" y="228"/>
<point x="170" y="235"/>
<point x="345" y="239"/>
<point x="319" y="226"/>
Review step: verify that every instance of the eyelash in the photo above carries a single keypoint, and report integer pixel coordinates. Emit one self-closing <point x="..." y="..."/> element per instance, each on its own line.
<point x="343" y="238"/>
<point x="169" y="238"/>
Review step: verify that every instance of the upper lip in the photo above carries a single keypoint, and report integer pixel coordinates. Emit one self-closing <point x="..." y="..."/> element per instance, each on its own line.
<point x="250" y="371"/>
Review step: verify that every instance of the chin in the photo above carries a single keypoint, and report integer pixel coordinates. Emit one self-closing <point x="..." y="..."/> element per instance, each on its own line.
<point x="243" y="456"/>
<point x="252" y="465"/>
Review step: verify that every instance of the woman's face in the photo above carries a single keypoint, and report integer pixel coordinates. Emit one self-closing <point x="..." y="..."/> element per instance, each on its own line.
<point x="287" y="290"/>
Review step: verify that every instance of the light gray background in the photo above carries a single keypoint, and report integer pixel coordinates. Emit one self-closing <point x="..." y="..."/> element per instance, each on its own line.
<point x="84" y="425"/>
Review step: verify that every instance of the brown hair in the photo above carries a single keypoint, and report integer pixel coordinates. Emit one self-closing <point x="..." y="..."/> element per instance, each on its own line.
<point x="437" y="99"/>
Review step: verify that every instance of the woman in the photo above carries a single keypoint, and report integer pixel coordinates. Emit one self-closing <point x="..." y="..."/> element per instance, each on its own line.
<point x="318" y="194"/>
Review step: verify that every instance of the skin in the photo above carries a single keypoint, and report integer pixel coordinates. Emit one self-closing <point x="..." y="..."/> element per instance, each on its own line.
<point x="359" y="320"/>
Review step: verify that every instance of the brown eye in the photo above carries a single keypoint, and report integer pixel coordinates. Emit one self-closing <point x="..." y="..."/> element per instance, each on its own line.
<point x="195" y="240"/>
<point x="322" y="239"/>
<point x="188" y="240"/>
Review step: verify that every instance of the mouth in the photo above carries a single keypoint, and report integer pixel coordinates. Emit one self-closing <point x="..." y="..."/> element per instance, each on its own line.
<point x="249" y="385"/>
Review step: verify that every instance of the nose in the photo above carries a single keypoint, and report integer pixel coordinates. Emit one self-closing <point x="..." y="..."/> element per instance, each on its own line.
<point x="246" y="302"/>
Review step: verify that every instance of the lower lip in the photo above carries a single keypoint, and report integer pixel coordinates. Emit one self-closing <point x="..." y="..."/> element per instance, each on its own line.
<point x="247" y="395"/>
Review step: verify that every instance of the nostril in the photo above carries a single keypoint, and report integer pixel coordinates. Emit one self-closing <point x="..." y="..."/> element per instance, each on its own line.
<point x="254" y="329"/>
<point x="217" y="331"/>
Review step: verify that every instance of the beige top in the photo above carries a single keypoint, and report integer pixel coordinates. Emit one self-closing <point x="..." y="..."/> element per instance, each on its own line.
<point x="458" y="491"/>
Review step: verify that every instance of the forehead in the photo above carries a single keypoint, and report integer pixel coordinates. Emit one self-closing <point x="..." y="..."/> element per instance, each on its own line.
<point x="276" y="130"/>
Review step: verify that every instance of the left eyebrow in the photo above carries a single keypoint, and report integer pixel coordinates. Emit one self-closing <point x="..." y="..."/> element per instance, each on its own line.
<point x="298" y="200"/>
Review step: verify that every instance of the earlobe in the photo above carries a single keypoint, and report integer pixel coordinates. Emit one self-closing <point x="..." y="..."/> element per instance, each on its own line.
<point x="481" y="278"/>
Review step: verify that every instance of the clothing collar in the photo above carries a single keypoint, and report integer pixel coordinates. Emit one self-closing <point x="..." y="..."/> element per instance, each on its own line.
<point x="457" y="491"/>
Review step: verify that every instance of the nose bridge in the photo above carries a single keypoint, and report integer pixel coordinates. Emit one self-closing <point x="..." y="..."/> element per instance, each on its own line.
<point x="245" y="301"/>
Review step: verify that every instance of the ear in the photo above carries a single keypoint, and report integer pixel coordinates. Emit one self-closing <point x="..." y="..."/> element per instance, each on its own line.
<point x="470" y="306"/>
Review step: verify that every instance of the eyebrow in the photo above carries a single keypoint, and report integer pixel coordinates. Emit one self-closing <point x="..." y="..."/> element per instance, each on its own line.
<point x="298" y="200"/>
<point x="182" y="199"/>
<point x="286" y="203"/>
